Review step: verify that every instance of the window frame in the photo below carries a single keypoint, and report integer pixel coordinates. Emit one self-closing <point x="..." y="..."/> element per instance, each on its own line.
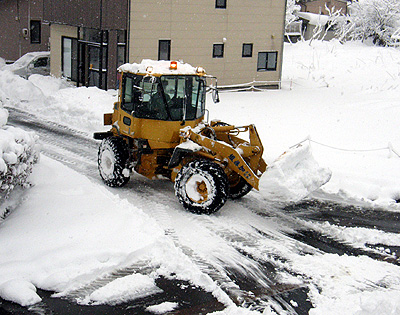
<point x="221" y="55"/>
<point x="168" y="41"/>
<point x="73" y="62"/>
<point x="251" y="50"/>
<point x="219" y="5"/>
<point x="266" y="62"/>
<point x="35" y="27"/>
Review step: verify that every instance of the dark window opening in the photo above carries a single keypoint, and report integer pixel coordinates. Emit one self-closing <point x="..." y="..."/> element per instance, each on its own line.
<point x="121" y="47"/>
<point x="35" y="31"/>
<point x="267" y="61"/>
<point x="247" y="50"/>
<point x="218" y="50"/>
<point x="164" y="49"/>
<point x="220" y="4"/>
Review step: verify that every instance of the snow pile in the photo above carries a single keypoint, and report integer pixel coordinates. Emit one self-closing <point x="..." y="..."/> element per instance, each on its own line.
<point x="19" y="291"/>
<point x="18" y="153"/>
<point x="293" y="176"/>
<point x="15" y="90"/>
<point x="351" y="285"/>
<point x="162" y="308"/>
<point x="125" y="289"/>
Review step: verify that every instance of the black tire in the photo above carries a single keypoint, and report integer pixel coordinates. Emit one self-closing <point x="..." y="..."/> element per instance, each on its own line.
<point x="112" y="158"/>
<point x="202" y="187"/>
<point x="239" y="188"/>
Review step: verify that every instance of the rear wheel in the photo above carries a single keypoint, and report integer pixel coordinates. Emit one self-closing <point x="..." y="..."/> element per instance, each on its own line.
<point x="112" y="158"/>
<point x="202" y="187"/>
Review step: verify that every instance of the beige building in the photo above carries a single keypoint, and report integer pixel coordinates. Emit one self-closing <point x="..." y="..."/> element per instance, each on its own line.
<point x="239" y="41"/>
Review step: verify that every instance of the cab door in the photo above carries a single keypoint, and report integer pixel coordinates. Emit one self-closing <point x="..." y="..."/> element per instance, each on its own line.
<point x="131" y="96"/>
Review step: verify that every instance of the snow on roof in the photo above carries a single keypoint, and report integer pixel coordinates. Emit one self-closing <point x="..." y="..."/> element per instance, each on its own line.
<point x="313" y="18"/>
<point x="158" y="67"/>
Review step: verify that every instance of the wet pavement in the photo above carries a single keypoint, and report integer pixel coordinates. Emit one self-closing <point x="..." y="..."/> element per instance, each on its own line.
<point x="191" y="300"/>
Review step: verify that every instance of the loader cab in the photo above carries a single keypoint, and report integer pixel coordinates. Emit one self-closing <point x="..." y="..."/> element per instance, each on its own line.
<point x="164" y="97"/>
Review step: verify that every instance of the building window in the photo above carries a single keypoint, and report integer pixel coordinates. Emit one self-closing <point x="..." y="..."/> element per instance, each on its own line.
<point x="35" y="31"/>
<point x="220" y="4"/>
<point x="247" y="50"/>
<point x="267" y="61"/>
<point x="218" y="51"/>
<point x="70" y="58"/>
<point x="164" y="49"/>
<point x="121" y="47"/>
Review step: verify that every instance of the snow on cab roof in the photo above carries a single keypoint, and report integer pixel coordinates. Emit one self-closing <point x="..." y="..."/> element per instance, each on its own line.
<point x="159" y="67"/>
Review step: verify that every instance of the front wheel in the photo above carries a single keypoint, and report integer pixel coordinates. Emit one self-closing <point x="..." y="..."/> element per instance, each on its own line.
<point x="202" y="187"/>
<point x="238" y="186"/>
<point x="112" y="158"/>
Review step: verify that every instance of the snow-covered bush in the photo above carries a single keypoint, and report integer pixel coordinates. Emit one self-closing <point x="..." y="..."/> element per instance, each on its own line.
<point x="18" y="153"/>
<point x="371" y="19"/>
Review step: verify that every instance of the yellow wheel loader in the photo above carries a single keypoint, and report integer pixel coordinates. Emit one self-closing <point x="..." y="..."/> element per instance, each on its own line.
<point x="158" y="130"/>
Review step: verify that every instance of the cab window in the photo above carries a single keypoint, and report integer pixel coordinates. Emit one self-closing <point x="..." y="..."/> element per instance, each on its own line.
<point x="184" y="92"/>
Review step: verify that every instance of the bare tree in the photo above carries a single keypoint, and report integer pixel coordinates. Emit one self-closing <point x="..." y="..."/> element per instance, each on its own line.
<point x="328" y="23"/>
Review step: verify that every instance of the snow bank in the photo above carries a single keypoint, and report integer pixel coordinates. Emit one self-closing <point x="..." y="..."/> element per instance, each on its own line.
<point x="341" y="96"/>
<point x="57" y="100"/>
<point x="70" y="231"/>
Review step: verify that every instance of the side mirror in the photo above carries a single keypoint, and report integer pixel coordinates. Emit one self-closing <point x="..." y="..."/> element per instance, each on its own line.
<point x="215" y="95"/>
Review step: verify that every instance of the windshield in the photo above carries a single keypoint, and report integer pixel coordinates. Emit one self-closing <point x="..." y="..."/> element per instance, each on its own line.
<point x="171" y="97"/>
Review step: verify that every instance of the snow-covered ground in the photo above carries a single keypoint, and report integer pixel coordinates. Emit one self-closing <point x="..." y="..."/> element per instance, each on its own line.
<point x="341" y="101"/>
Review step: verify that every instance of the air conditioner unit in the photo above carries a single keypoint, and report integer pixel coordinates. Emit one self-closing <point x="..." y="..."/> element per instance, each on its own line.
<point x="25" y="32"/>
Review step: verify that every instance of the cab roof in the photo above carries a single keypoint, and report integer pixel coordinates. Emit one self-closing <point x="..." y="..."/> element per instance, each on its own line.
<point x="161" y="67"/>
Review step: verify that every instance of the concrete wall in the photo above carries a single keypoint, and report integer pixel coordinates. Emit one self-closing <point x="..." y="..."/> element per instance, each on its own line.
<point x="194" y="26"/>
<point x="15" y="16"/>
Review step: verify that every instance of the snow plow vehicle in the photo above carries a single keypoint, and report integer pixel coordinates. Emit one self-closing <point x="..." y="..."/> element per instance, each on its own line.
<point x="158" y="130"/>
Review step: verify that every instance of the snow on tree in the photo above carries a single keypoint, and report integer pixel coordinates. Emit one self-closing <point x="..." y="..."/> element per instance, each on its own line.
<point x="375" y="19"/>
<point x="291" y="7"/>
<point x="18" y="153"/>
